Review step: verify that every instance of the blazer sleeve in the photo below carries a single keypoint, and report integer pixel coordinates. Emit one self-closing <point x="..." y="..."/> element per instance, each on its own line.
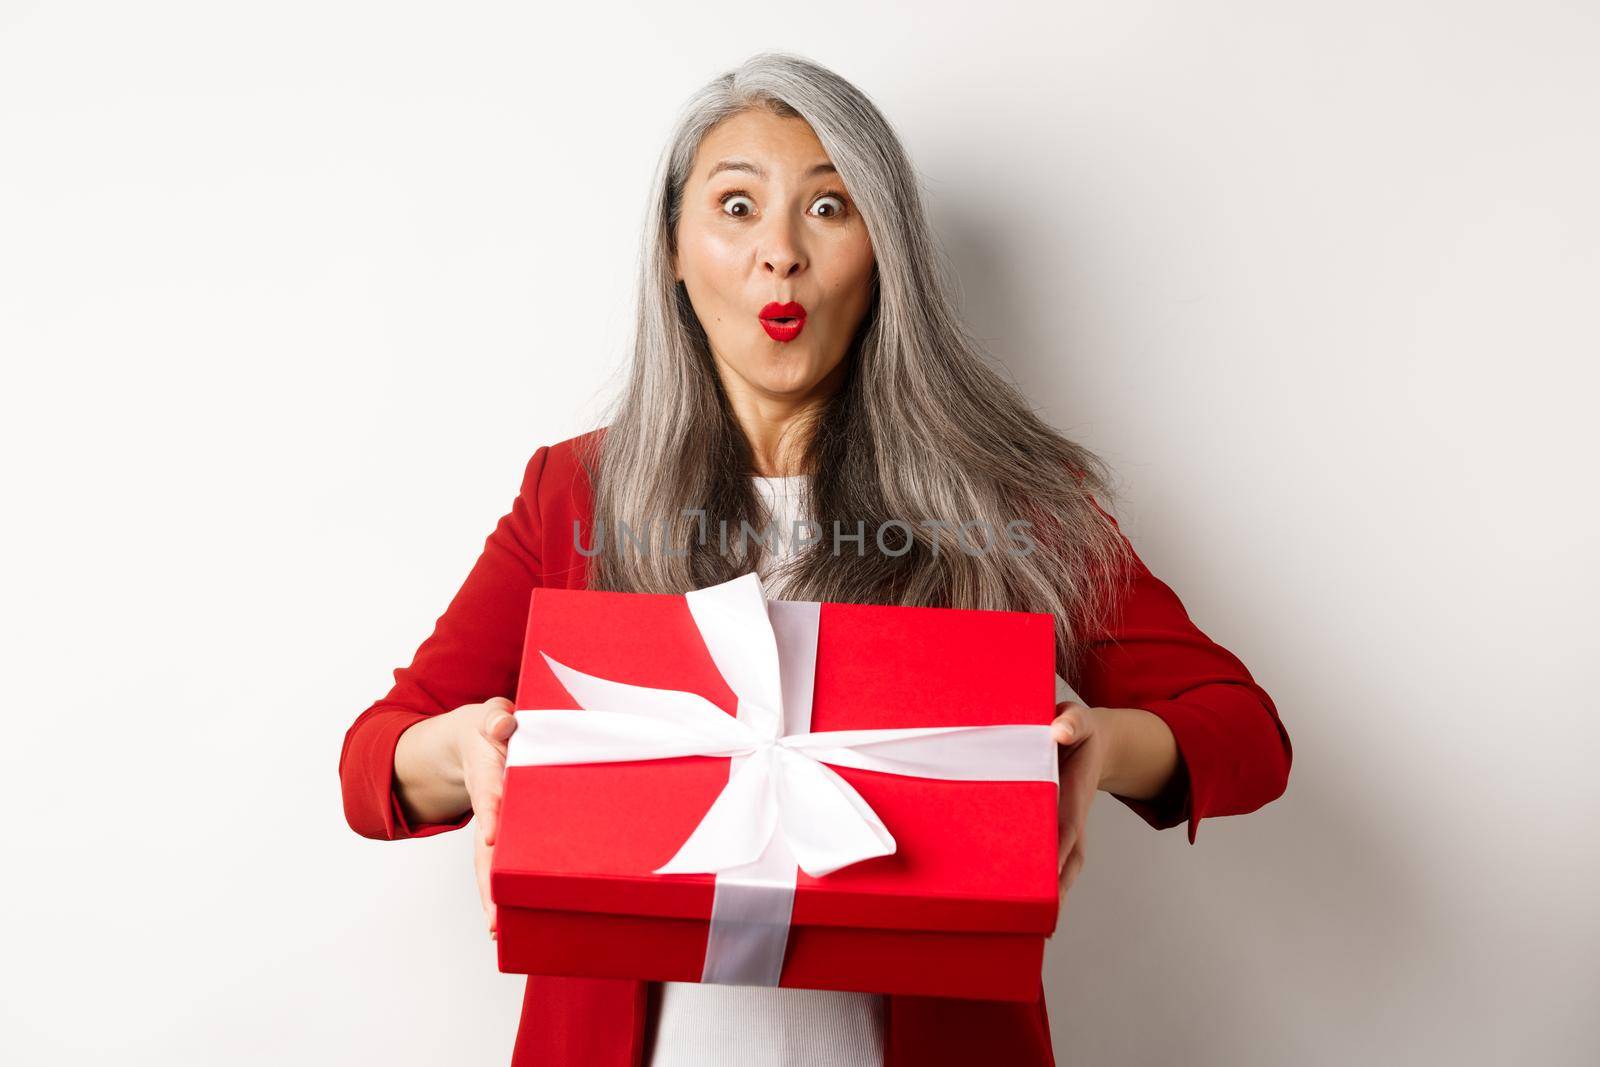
<point x="473" y="654"/>
<point x="1233" y="751"/>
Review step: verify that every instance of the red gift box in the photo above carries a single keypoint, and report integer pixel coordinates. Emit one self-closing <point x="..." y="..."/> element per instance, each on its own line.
<point x="961" y="892"/>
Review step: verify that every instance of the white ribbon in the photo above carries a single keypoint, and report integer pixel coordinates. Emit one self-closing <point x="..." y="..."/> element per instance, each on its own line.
<point x="783" y="807"/>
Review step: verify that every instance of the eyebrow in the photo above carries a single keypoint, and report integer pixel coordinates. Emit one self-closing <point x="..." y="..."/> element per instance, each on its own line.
<point x="752" y="168"/>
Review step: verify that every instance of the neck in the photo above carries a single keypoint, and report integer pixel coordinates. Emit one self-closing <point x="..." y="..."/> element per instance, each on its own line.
<point x="779" y="426"/>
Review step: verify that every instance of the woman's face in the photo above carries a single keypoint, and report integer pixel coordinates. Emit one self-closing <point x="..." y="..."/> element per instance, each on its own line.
<point x="765" y="220"/>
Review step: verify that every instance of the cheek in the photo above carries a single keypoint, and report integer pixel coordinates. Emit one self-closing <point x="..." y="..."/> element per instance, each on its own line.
<point x="864" y="256"/>
<point x="852" y="255"/>
<point x="707" y="257"/>
<point x="851" y="275"/>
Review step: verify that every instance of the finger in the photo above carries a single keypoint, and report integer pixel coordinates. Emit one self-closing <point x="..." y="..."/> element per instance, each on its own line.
<point x="1071" y="828"/>
<point x="489" y="816"/>
<point x="1070" y="724"/>
<point x="1075" y="805"/>
<point x="1074" y="815"/>
<point x="501" y="729"/>
<point x="1074" y="865"/>
<point x="497" y="723"/>
<point x="482" y="857"/>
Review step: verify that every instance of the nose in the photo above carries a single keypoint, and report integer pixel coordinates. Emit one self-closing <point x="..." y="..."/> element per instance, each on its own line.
<point x="781" y="255"/>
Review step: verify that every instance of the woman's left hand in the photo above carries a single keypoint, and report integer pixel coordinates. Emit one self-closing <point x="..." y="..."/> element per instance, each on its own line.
<point x="1085" y="736"/>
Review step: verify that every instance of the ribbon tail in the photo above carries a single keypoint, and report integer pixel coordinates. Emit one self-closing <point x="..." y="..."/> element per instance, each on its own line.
<point x="670" y="705"/>
<point x="826" y="823"/>
<point x="738" y="826"/>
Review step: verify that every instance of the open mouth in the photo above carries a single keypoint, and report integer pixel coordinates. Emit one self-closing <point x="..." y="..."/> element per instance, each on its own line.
<point x="783" y="322"/>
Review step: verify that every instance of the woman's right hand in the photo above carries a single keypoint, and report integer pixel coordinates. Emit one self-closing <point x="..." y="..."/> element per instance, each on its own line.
<point x="485" y="729"/>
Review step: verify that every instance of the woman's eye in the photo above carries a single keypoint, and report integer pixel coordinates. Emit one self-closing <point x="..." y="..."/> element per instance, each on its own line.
<point x="833" y="203"/>
<point x="732" y="202"/>
<point x="739" y="205"/>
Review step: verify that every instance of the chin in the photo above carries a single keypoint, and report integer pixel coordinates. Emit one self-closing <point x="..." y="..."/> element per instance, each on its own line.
<point x="787" y="386"/>
<point x="781" y="372"/>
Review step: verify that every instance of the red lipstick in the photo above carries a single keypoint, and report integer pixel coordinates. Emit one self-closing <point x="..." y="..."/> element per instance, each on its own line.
<point x="783" y="322"/>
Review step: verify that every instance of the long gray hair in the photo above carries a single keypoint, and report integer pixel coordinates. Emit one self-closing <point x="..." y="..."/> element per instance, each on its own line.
<point x="922" y="429"/>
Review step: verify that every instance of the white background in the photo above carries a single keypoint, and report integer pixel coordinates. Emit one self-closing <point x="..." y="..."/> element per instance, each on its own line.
<point x="290" y="292"/>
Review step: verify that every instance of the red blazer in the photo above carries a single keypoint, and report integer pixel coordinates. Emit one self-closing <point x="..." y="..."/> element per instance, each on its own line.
<point x="1235" y="757"/>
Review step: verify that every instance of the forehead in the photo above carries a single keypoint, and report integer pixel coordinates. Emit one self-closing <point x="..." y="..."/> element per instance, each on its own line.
<point x="763" y="142"/>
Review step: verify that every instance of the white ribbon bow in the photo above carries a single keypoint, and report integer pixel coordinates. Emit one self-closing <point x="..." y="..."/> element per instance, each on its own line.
<point x="782" y="806"/>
